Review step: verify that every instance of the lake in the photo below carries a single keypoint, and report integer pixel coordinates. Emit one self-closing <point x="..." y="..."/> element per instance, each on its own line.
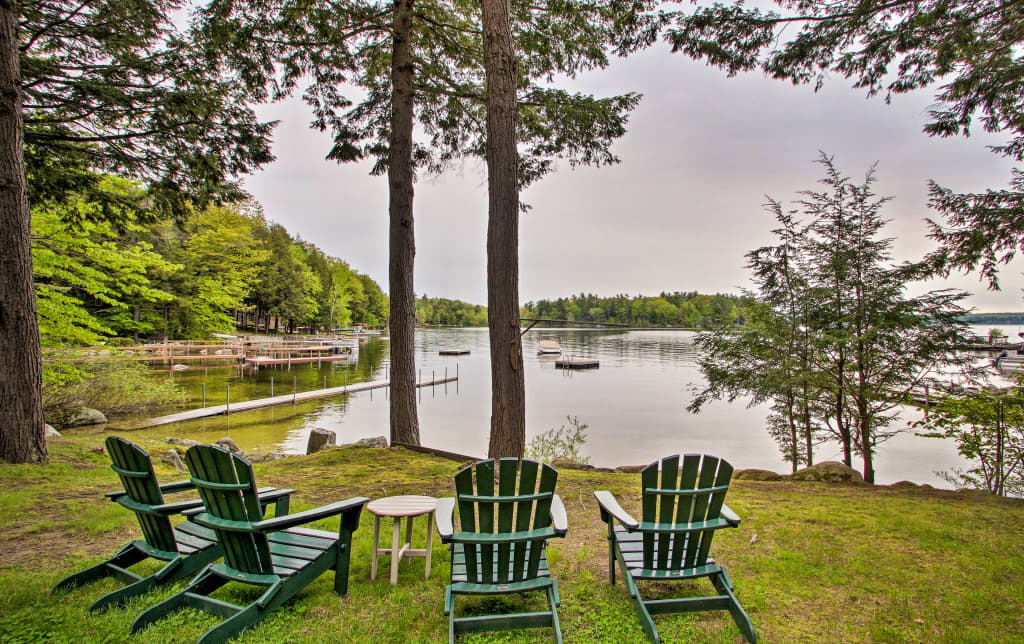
<point x="634" y="404"/>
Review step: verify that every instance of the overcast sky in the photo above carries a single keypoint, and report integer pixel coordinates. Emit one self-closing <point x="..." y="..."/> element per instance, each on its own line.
<point x="677" y="214"/>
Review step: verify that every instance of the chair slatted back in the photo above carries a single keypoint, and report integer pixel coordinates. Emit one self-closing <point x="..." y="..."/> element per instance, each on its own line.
<point x="676" y="496"/>
<point x="135" y="469"/>
<point x="522" y="504"/>
<point x="228" y="489"/>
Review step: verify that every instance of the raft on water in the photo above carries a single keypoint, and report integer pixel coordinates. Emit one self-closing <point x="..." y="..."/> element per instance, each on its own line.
<point x="577" y="364"/>
<point x="453" y="352"/>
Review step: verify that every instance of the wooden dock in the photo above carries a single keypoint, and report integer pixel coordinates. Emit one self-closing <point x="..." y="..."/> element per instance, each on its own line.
<point x="287" y="399"/>
<point x="576" y="364"/>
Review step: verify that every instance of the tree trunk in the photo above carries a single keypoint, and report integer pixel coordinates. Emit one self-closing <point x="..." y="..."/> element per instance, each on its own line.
<point x="508" y="389"/>
<point x="21" y="383"/>
<point x="405" y="425"/>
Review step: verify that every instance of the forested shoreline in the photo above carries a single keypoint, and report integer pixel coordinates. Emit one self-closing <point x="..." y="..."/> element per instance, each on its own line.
<point x="136" y="276"/>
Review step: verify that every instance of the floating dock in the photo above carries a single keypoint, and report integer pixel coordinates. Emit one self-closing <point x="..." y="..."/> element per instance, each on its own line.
<point x="287" y="399"/>
<point x="453" y="352"/>
<point x="263" y="361"/>
<point x="576" y="364"/>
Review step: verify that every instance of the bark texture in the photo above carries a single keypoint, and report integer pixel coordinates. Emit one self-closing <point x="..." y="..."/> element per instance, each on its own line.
<point x="21" y="398"/>
<point x="508" y="391"/>
<point x="405" y="425"/>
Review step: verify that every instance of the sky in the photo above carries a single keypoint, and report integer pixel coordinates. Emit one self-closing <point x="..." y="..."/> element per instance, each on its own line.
<point x="677" y="214"/>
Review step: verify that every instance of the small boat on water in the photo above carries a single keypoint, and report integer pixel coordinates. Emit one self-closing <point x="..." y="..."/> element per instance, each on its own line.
<point x="548" y="346"/>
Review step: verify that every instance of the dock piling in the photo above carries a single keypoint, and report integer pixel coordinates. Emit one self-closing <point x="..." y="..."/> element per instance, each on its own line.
<point x="227" y="402"/>
<point x="293" y="390"/>
<point x="271" y="386"/>
<point x="204" y="395"/>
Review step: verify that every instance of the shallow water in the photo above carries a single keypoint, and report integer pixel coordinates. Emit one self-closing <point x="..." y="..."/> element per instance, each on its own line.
<point x="634" y="404"/>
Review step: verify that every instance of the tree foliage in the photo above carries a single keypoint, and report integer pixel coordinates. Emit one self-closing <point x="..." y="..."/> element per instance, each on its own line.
<point x="969" y="51"/>
<point x="686" y="309"/>
<point x="138" y="277"/>
<point x="115" y="86"/>
<point x="833" y="342"/>
<point x="988" y="427"/>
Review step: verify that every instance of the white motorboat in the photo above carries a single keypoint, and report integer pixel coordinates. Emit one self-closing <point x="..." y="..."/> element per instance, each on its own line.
<point x="548" y="346"/>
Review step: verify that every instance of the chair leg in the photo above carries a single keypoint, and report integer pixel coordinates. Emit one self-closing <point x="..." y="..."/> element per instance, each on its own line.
<point x="344" y="557"/>
<point x="233" y="625"/>
<point x="119" y="597"/>
<point x="646" y="621"/>
<point x="723" y="585"/>
<point x="204" y="584"/>
<point x="125" y="557"/>
<point x="553" y="603"/>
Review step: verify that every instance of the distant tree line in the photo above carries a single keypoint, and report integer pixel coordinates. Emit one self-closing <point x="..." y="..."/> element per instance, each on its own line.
<point x="140" y="276"/>
<point x="689" y="309"/>
<point x="439" y="311"/>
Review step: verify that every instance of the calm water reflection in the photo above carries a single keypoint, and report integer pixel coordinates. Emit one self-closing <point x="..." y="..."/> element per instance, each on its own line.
<point x="635" y="404"/>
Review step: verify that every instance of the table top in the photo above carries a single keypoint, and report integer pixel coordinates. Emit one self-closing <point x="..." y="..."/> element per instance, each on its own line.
<point x="408" y="505"/>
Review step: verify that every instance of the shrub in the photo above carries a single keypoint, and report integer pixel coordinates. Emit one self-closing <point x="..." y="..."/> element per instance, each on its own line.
<point x="562" y="443"/>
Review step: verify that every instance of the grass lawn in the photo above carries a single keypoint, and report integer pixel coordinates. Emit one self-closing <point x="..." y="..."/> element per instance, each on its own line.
<point x="830" y="562"/>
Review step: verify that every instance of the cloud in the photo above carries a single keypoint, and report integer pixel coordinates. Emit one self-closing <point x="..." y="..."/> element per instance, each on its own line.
<point x="678" y="213"/>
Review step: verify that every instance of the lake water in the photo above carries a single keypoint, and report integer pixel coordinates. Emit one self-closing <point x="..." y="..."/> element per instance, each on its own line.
<point x="634" y="404"/>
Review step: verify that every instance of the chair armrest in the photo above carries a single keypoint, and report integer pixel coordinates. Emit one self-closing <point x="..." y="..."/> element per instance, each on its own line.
<point x="444" y="515"/>
<point x="179" y="508"/>
<point x="266" y="494"/>
<point x="730" y="516"/>
<point x="610" y="509"/>
<point x="559" y="521"/>
<point x="177" y="486"/>
<point x="300" y="518"/>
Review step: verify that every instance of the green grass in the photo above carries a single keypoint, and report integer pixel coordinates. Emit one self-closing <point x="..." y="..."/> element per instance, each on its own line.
<point x="837" y="563"/>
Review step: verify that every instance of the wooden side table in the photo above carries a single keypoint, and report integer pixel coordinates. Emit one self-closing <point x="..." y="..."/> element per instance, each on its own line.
<point x="397" y="507"/>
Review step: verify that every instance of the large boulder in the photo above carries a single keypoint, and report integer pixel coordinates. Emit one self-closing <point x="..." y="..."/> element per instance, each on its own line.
<point x="630" y="469"/>
<point x="319" y="439"/>
<point x="88" y="416"/>
<point x="757" y="475"/>
<point x="376" y="441"/>
<point x="50" y="432"/>
<point x="229" y="445"/>
<point x="828" y="471"/>
<point x="566" y="464"/>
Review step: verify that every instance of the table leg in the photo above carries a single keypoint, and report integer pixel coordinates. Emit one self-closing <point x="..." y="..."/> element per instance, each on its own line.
<point x="430" y="541"/>
<point x="376" y="547"/>
<point x="408" y="531"/>
<point x="396" y="534"/>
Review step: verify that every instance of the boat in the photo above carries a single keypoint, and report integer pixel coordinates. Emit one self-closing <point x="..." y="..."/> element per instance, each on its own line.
<point x="548" y="346"/>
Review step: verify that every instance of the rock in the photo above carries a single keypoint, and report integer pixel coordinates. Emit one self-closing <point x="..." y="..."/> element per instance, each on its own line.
<point x="230" y="445"/>
<point x="319" y="439"/>
<point x="179" y="367"/>
<point x="172" y="458"/>
<point x="376" y="441"/>
<point x="904" y="484"/>
<point x="564" y="463"/>
<point x="87" y="416"/>
<point x="630" y="469"/>
<point x="49" y="431"/>
<point x="828" y="471"/>
<point x="757" y="475"/>
<point x="187" y="442"/>
<point x="175" y="458"/>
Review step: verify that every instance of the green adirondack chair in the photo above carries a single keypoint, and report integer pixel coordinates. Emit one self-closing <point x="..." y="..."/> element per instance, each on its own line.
<point x="505" y="556"/>
<point x="186" y="547"/>
<point x="272" y="553"/>
<point x="682" y="509"/>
